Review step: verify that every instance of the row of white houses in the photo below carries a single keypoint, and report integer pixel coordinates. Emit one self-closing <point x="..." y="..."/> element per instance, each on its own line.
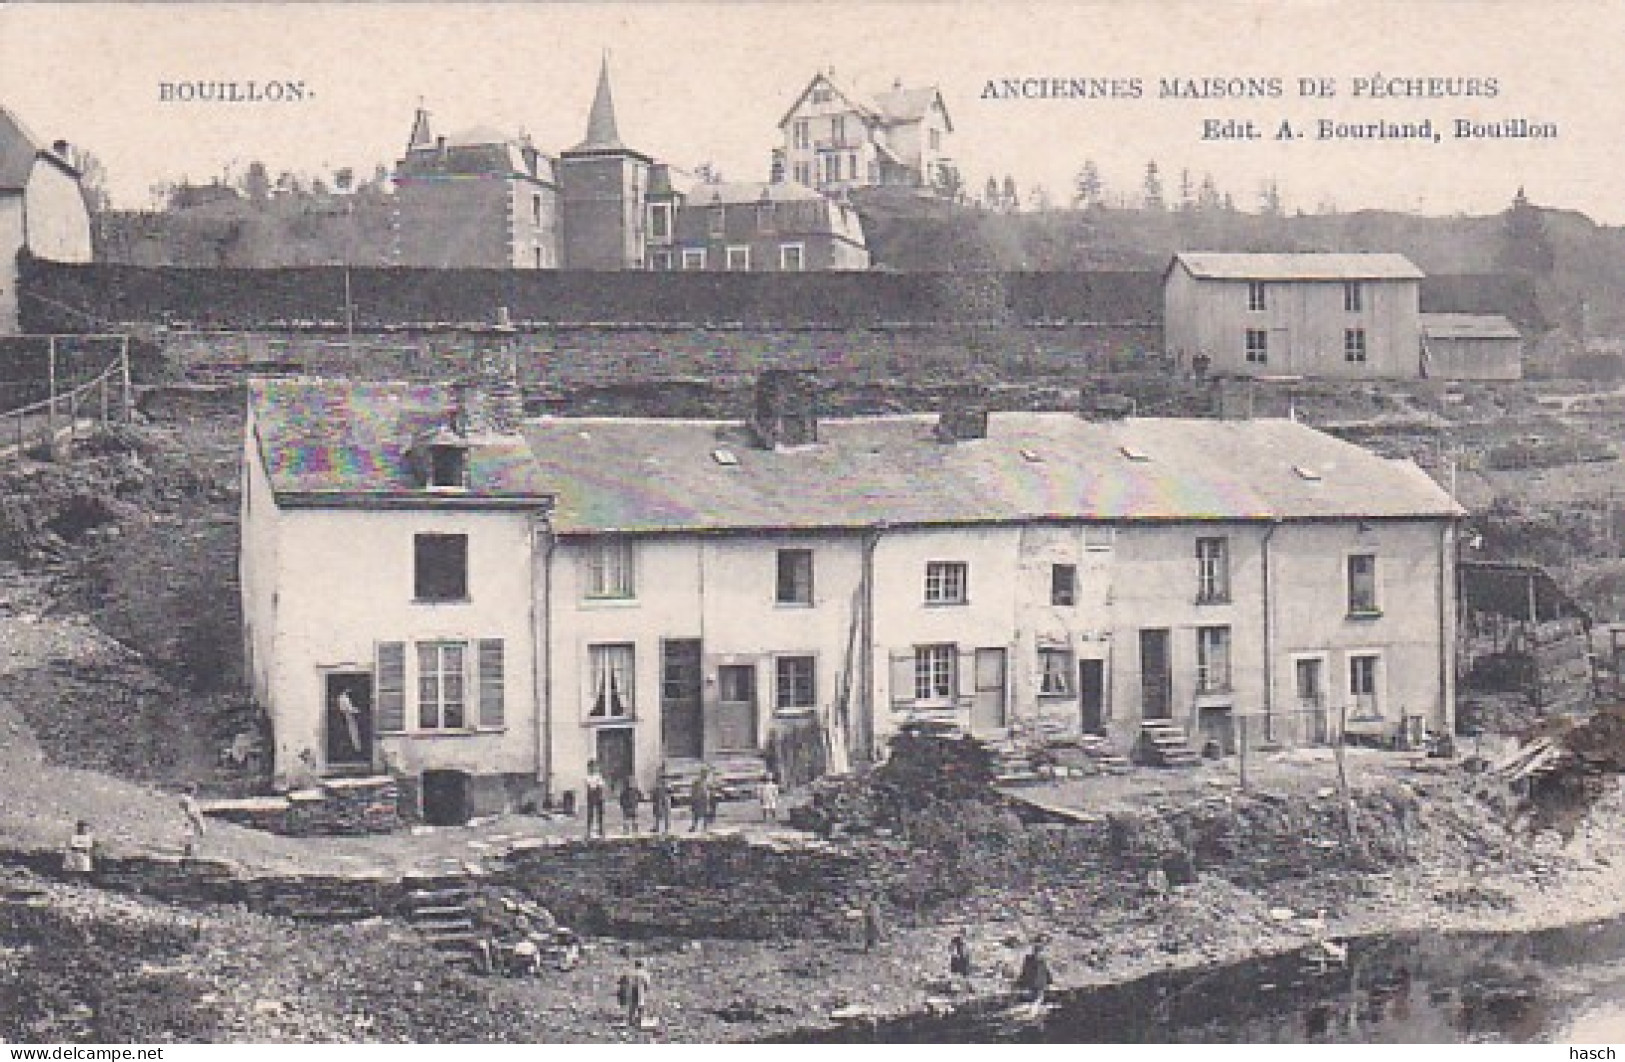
<point x="434" y="586"/>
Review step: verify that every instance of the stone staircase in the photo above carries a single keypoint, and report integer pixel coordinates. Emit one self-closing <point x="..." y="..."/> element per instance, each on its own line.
<point x="1164" y="744"/>
<point x="437" y="905"/>
<point x="737" y="775"/>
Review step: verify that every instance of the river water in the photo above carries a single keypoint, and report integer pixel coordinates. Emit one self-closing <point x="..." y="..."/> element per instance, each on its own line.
<point x="1553" y="985"/>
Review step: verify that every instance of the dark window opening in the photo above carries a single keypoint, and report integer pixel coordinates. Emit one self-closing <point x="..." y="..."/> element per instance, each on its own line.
<point x="440" y="567"/>
<point x="795" y="577"/>
<point x="1063" y="584"/>
<point x="448" y="466"/>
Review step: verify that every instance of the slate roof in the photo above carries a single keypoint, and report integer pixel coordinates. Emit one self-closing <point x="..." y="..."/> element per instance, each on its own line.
<point x="1468" y="326"/>
<point x="322" y="441"/>
<point x="909" y="105"/>
<point x="732" y="193"/>
<point x="662" y="475"/>
<point x="1298" y="266"/>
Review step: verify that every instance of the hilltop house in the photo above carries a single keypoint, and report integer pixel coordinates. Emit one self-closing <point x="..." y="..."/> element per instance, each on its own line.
<point x="42" y="209"/>
<point x="1342" y="315"/>
<point x="836" y="141"/>
<point x="478" y="199"/>
<point x="515" y="598"/>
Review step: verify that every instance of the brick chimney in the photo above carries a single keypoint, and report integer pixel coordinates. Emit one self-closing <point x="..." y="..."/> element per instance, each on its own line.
<point x="786" y="411"/>
<point x="488" y="401"/>
<point x="963" y="417"/>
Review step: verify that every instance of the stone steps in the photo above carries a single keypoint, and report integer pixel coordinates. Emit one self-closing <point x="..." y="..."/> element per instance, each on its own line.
<point x="1164" y="744"/>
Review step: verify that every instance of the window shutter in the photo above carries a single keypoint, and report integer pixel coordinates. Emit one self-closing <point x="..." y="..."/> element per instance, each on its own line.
<point x="902" y="679"/>
<point x="491" y="682"/>
<point x="965" y="678"/>
<point x="390" y="679"/>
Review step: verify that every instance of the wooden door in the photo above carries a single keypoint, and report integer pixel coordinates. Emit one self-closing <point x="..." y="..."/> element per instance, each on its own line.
<point x="1156" y="675"/>
<point x="736" y="708"/>
<point x="1309" y="681"/>
<point x="682" y="728"/>
<point x="1092" y="695"/>
<point x="987" y="709"/>
<point x="616" y="754"/>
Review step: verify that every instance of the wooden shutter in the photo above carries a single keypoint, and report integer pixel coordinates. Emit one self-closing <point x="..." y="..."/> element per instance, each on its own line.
<point x="491" y="682"/>
<point x="390" y="679"/>
<point x="902" y="679"/>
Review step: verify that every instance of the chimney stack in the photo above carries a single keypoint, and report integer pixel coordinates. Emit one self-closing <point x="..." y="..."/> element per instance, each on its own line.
<point x="489" y="401"/>
<point x="786" y="411"/>
<point x="963" y="417"/>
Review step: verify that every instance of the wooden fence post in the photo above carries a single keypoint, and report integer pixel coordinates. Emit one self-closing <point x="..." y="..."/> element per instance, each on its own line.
<point x="50" y="398"/>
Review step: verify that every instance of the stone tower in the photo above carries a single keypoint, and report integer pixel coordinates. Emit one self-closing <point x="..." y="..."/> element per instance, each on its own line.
<point x="603" y="184"/>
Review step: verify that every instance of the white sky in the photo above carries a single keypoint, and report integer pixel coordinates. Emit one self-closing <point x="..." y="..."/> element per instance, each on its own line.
<point x="699" y="81"/>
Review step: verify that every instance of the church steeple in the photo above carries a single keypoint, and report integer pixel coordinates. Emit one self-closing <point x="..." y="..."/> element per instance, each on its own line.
<point x="421" y="137"/>
<point x="602" y="134"/>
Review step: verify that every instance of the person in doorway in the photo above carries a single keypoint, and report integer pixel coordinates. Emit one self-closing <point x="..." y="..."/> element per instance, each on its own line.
<point x="701" y="801"/>
<point x="769" y="795"/>
<point x="595" y="798"/>
<point x="660" y="800"/>
<point x="631" y="797"/>
<point x="352" y="721"/>
<point x="196" y="825"/>
<point x="79" y="855"/>
<point x="1034" y="980"/>
<point x="959" y="962"/>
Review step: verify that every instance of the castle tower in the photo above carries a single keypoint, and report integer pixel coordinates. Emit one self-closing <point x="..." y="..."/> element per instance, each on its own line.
<point x="603" y="185"/>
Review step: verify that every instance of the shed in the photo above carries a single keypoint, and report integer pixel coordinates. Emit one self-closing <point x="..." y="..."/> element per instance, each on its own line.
<point x="1471" y="346"/>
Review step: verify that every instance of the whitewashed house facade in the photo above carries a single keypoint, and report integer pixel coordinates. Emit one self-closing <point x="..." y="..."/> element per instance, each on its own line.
<point x="42" y="209"/>
<point x="693" y="589"/>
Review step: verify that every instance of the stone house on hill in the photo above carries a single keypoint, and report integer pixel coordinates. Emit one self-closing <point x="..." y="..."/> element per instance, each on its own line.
<point x="42" y="209"/>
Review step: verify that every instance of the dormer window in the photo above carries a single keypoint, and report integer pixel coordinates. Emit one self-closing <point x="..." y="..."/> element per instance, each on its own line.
<point x="448" y="467"/>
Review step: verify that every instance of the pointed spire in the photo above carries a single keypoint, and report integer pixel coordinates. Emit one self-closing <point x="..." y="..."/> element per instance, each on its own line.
<point x="602" y="134"/>
<point x="421" y="137"/>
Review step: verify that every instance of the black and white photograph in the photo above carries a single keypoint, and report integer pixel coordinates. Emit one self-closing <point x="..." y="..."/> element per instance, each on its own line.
<point x="865" y="523"/>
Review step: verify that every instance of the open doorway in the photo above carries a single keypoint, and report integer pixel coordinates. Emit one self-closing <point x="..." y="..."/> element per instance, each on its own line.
<point x="348" y="717"/>
<point x="445" y="798"/>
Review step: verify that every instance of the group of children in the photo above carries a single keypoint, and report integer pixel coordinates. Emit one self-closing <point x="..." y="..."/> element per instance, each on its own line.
<point x="80" y="853"/>
<point x="704" y="795"/>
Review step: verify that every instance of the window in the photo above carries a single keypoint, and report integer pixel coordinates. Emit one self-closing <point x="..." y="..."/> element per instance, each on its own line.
<point x="1354" y="344"/>
<point x="837" y="130"/>
<point x="851" y="166"/>
<point x="766" y="217"/>
<point x="539" y="262"/>
<point x="1063" y="584"/>
<point x="719" y="220"/>
<point x="1258" y="346"/>
<point x="822" y="94"/>
<point x="792" y="257"/>
<point x="610" y="568"/>
<point x="611" y="668"/>
<point x="1212" y="659"/>
<point x="1256" y="302"/>
<point x="803" y="132"/>
<point x="660" y="221"/>
<point x="442" y="685"/>
<point x="829" y="168"/>
<point x="1353" y="297"/>
<point x="536" y="210"/>
<point x="946" y="582"/>
<point x="803" y="173"/>
<point x="936" y="140"/>
<point x="1055" y="672"/>
<point x="661" y="261"/>
<point x="1362" y="584"/>
<point x="440" y="567"/>
<point x="794" y="685"/>
<point x="1212" y="570"/>
<point x="1099" y="539"/>
<point x="738" y="259"/>
<point x="693" y="258"/>
<point x="795" y="583"/>
<point x="448" y="467"/>
<point x="934" y="674"/>
<point x="1363" y="686"/>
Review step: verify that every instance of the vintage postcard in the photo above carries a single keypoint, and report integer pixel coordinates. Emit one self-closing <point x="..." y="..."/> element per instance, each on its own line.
<point x="811" y="523"/>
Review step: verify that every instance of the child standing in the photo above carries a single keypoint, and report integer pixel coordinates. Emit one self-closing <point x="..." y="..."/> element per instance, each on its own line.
<point x="631" y="797"/>
<point x="79" y="855"/>
<point x="769" y="794"/>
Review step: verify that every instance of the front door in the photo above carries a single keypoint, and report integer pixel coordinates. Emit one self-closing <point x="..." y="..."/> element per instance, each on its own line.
<point x="615" y="755"/>
<point x="1309" y="686"/>
<point x="736" y="708"/>
<point x="682" y="731"/>
<point x="1156" y="676"/>
<point x="987" y="712"/>
<point x="348" y="700"/>
<point x="1092" y="695"/>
